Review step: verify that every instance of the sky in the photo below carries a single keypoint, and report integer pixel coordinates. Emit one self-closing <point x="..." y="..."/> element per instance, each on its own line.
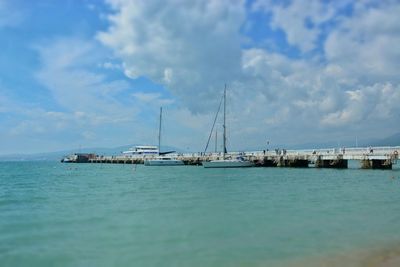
<point x="93" y="73"/>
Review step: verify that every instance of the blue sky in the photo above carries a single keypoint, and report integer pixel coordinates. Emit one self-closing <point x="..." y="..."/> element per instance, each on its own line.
<point x="94" y="73"/>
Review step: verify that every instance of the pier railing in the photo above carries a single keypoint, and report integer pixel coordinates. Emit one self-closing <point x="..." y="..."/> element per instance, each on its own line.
<point x="383" y="156"/>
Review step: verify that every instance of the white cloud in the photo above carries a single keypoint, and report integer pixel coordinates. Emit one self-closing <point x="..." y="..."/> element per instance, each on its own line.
<point x="301" y="20"/>
<point x="194" y="48"/>
<point x="186" y="130"/>
<point x="368" y="43"/>
<point x="347" y="86"/>
<point x="25" y="126"/>
<point x="85" y="103"/>
<point x="270" y="95"/>
<point x="67" y="73"/>
<point x="369" y="104"/>
<point x="154" y="99"/>
<point x="110" y="66"/>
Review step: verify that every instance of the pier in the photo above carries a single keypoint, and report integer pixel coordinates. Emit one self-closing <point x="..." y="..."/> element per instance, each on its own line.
<point x="369" y="158"/>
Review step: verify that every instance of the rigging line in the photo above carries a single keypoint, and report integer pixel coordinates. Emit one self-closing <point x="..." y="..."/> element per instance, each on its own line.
<point x="215" y="119"/>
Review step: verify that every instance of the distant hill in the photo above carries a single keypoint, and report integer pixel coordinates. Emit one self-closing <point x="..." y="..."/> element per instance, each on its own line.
<point x="393" y="140"/>
<point x="58" y="155"/>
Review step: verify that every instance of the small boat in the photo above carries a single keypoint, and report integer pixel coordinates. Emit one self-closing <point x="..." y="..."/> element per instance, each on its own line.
<point x="238" y="162"/>
<point x="228" y="163"/>
<point x="162" y="159"/>
<point x="66" y="160"/>
<point x="70" y="159"/>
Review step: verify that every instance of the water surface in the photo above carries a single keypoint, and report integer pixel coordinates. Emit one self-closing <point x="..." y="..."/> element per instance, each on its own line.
<point x="54" y="214"/>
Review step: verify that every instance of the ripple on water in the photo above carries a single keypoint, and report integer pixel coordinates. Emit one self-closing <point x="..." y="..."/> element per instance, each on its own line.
<point x="102" y="215"/>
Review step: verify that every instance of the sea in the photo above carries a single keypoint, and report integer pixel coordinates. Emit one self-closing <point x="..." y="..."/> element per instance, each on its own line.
<point x="55" y="214"/>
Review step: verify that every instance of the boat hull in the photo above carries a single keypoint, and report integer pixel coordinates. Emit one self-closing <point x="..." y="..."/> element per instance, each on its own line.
<point x="157" y="162"/>
<point x="227" y="164"/>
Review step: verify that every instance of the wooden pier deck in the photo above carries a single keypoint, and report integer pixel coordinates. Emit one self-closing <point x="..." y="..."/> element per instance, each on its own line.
<point x="369" y="157"/>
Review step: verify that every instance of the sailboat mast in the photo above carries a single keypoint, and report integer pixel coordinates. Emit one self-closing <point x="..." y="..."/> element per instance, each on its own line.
<point x="159" y="132"/>
<point x="216" y="140"/>
<point x="224" y="126"/>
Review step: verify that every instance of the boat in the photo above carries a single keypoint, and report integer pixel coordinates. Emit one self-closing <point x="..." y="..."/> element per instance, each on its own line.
<point x="162" y="159"/>
<point x="227" y="162"/>
<point x="79" y="158"/>
<point x="141" y="151"/>
<point x="69" y="159"/>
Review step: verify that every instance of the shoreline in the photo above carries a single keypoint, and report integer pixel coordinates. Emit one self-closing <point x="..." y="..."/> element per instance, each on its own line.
<point x="387" y="257"/>
<point x="384" y="256"/>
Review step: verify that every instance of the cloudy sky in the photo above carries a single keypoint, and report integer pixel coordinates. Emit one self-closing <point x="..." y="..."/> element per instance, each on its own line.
<point x="94" y="73"/>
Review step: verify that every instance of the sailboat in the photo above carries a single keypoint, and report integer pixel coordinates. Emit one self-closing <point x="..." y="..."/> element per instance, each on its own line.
<point x="162" y="159"/>
<point x="238" y="162"/>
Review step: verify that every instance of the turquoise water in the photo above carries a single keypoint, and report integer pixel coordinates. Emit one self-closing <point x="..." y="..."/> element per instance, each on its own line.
<point x="54" y="214"/>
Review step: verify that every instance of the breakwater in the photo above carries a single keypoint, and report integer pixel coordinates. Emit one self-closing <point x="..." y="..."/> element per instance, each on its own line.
<point x="369" y="157"/>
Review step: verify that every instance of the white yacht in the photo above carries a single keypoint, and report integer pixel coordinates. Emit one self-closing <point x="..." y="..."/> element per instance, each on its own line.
<point x="238" y="162"/>
<point x="69" y="158"/>
<point x="141" y="151"/>
<point x="162" y="159"/>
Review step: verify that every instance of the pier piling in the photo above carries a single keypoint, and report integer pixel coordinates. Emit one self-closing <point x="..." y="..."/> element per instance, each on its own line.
<point x="338" y="163"/>
<point x="376" y="164"/>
